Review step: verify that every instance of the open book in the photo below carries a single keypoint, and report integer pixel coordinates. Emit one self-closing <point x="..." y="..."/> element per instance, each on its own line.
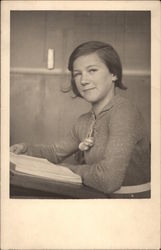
<point x="43" y="168"/>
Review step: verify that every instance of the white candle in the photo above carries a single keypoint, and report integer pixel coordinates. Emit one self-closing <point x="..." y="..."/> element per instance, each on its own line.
<point x="50" y="58"/>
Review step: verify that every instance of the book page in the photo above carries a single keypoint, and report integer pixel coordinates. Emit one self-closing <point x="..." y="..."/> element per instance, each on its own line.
<point x="42" y="167"/>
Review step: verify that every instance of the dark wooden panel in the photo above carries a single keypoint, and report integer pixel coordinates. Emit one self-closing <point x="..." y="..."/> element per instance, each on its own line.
<point x="33" y="32"/>
<point x="28" y="33"/>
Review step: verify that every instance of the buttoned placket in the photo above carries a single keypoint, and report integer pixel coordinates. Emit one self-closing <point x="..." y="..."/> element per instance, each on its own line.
<point x="92" y="125"/>
<point x="94" y="118"/>
<point x="92" y="128"/>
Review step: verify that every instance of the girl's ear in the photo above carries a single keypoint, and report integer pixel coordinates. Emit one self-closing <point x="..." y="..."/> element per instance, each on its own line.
<point x="114" y="78"/>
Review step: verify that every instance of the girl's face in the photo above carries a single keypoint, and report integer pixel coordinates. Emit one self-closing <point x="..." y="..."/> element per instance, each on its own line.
<point x="92" y="77"/>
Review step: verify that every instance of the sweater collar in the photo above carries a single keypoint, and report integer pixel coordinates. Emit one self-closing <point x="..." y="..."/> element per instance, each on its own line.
<point x="108" y="106"/>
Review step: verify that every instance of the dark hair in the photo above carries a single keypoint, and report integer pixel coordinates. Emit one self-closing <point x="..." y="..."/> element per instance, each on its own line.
<point x="106" y="53"/>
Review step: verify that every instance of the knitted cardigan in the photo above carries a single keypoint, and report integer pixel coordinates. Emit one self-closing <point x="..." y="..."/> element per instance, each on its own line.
<point x="120" y="155"/>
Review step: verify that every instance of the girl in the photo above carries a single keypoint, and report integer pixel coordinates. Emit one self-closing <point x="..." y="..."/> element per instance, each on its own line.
<point x="111" y="137"/>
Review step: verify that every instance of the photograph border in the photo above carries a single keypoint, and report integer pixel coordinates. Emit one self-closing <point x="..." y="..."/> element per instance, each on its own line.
<point x="82" y="224"/>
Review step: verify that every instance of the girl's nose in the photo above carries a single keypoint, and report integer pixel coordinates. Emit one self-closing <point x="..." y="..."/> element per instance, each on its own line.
<point x="84" y="79"/>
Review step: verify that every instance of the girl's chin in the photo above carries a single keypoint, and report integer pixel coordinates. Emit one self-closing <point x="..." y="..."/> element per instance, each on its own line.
<point x="90" y="97"/>
<point x="91" y="100"/>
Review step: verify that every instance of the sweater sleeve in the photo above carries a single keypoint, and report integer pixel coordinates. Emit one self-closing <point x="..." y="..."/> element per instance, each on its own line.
<point x="108" y="174"/>
<point x="56" y="152"/>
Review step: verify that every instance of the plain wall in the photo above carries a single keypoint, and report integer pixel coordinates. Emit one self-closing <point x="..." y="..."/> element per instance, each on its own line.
<point x="39" y="111"/>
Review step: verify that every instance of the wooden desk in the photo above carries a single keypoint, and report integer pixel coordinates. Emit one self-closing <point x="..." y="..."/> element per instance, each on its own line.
<point x="28" y="186"/>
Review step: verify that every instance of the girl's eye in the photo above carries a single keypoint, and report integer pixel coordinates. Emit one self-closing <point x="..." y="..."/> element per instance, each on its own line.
<point x="92" y="70"/>
<point x="76" y="74"/>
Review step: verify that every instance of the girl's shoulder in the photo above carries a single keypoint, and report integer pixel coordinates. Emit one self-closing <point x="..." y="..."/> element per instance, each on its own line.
<point x="126" y="112"/>
<point x="122" y="104"/>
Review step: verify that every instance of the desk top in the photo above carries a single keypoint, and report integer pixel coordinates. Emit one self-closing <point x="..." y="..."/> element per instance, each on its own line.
<point x="53" y="189"/>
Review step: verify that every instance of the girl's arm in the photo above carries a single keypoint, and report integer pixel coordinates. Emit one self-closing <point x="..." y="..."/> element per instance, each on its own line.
<point x="108" y="174"/>
<point x="55" y="153"/>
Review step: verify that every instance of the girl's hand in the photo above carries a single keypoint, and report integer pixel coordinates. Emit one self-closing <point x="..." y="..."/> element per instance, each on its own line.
<point x="20" y="148"/>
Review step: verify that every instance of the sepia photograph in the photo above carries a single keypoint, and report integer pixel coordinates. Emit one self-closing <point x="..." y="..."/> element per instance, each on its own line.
<point x="80" y="99"/>
<point x="80" y="125"/>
